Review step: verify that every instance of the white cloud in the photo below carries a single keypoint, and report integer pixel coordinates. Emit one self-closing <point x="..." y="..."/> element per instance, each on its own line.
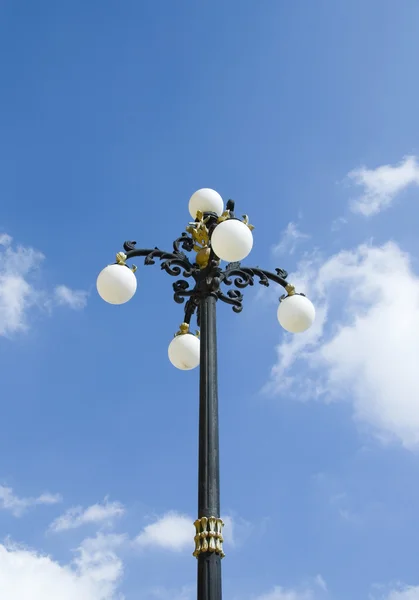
<point x="18" y="292"/>
<point x="404" y="593"/>
<point x="75" y="299"/>
<point x="290" y="238"/>
<point x="229" y="530"/>
<point x="18" y="506"/>
<point x="306" y="592"/>
<point x="236" y="530"/>
<point x="49" y="498"/>
<point x="368" y="355"/>
<point x="5" y="239"/>
<point x="279" y="593"/>
<point x="76" y="517"/>
<point x="320" y="582"/>
<point x="173" y="531"/>
<point x="93" y="575"/>
<point x="383" y="184"/>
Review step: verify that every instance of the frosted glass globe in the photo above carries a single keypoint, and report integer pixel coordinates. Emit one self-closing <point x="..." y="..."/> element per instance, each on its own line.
<point x="184" y="351"/>
<point x="206" y="200"/>
<point x="296" y="313"/>
<point x="116" y="284"/>
<point x="232" y="240"/>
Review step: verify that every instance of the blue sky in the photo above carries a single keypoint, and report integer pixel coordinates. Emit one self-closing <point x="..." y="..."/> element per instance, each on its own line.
<point x="111" y="116"/>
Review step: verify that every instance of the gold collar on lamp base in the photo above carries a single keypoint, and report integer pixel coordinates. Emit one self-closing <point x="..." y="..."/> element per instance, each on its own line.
<point x="209" y="536"/>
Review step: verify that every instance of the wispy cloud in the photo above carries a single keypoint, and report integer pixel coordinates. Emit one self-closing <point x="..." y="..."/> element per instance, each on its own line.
<point x="237" y="530"/>
<point x="320" y="582"/>
<point x="403" y="592"/>
<point x="19" y="293"/>
<point x="341" y="503"/>
<point x="291" y="237"/>
<point x="75" y="517"/>
<point x="5" y="239"/>
<point x="95" y="573"/>
<point x="18" y="506"/>
<point x="75" y="299"/>
<point x="312" y="590"/>
<point x="173" y="531"/>
<point x="279" y="593"/>
<point x="354" y="359"/>
<point x="382" y="184"/>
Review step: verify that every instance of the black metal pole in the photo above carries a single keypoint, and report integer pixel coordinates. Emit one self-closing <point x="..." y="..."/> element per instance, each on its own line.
<point x="208" y="277"/>
<point x="209" y="562"/>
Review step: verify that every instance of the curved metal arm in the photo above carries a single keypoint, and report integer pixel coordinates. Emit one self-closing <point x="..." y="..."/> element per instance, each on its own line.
<point x="234" y="298"/>
<point x="245" y="276"/>
<point x="207" y="280"/>
<point x="177" y="258"/>
<point x="242" y="277"/>
<point x="175" y="263"/>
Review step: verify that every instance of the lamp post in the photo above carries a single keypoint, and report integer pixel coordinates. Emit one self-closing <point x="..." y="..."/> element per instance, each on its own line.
<point x="214" y="235"/>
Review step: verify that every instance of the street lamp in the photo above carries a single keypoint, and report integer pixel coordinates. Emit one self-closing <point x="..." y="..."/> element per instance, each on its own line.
<point x="214" y="235"/>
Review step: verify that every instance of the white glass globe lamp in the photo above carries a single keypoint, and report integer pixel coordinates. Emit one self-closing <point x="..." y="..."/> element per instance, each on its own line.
<point x="232" y="240"/>
<point x="296" y="313"/>
<point x="206" y="200"/>
<point x="116" y="284"/>
<point x="184" y="351"/>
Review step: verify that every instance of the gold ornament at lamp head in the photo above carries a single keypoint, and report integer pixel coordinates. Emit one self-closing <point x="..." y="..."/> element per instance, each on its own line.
<point x="200" y="235"/>
<point x="199" y="231"/>
<point x="184" y="329"/>
<point x="121" y="260"/>
<point x="227" y="215"/>
<point x="290" y="289"/>
<point x="246" y="222"/>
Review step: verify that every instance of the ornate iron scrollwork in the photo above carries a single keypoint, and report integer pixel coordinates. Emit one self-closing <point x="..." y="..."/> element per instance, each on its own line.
<point x="234" y="298"/>
<point x="207" y="279"/>
<point x="241" y="277"/>
<point x="185" y="242"/>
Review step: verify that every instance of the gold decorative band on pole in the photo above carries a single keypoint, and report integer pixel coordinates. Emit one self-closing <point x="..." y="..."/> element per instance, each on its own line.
<point x="209" y="536"/>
